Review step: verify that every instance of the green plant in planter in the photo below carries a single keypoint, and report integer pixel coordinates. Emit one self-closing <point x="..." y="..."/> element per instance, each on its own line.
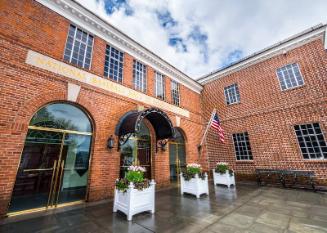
<point x="135" y="174"/>
<point x="191" y="170"/>
<point x="222" y="168"/>
<point x="122" y="185"/>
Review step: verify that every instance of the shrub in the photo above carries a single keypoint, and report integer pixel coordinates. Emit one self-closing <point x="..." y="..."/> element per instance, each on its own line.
<point x="135" y="174"/>
<point x="222" y="167"/>
<point x="191" y="170"/>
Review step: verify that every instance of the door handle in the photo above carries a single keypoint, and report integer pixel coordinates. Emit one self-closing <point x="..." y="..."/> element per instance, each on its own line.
<point x="60" y="180"/>
<point x="37" y="169"/>
<point x="52" y="179"/>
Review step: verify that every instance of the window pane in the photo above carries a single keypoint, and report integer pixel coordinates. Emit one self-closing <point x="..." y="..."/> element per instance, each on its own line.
<point x="289" y="76"/>
<point x="311" y="140"/>
<point x="139" y="76"/>
<point x="77" y="42"/>
<point x="113" y="67"/>
<point x="242" y="146"/>
<point x="175" y="92"/>
<point x="232" y="94"/>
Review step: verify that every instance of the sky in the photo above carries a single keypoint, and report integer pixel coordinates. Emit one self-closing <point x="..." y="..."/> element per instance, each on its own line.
<point x="198" y="37"/>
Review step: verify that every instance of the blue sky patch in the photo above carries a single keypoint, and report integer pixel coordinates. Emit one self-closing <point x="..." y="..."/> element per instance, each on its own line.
<point x="232" y="57"/>
<point x="112" y="5"/>
<point x="165" y="19"/>
<point x="178" y="43"/>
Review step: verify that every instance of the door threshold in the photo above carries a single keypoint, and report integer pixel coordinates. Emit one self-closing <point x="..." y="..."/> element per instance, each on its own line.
<point x="35" y="210"/>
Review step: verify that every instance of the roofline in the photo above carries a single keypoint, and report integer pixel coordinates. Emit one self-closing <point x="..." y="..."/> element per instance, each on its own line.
<point x="96" y="25"/>
<point x="280" y="47"/>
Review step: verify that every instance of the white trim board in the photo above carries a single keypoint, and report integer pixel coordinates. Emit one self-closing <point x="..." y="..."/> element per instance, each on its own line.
<point x="85" y="19"/>
<point x="58" y="67"/>
<point x="286" y="45"/>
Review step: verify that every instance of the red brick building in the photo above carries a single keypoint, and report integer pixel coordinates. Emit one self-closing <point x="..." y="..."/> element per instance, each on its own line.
<point x="264" y="99"/>
<point x="71" y="85"/>
<point x="69" y="81"/>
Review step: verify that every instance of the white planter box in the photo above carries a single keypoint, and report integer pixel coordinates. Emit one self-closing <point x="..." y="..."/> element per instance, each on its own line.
<point x="195" y="186"/>
<point x="225" y="179"/>
<point x="135" y="201"/>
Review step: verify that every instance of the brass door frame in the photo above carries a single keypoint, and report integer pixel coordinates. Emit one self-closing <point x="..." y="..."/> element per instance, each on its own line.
<point x="58" y="166"/>
<point x="136" y="161"/>
<point x="177" y="161"/>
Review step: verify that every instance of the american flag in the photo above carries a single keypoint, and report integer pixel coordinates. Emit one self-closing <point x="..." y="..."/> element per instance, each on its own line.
<point x="216" y="125"/>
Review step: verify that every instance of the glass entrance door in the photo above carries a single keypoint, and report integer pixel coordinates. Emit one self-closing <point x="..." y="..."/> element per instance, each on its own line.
<point x="137" y="151"/>
<point x="177" y="156"/>
<point x="55" y="160"/>
<point x="144" y="156"/>
<point x="36" y="170"/>
<point x="177" y="160"/>
<point x="74" y="168"/>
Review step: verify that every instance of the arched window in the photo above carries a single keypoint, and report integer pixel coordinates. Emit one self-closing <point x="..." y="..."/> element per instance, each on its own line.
<point x="137" y="151"/>
<point x="62" y="116"/>
<point x="55" y="160"/>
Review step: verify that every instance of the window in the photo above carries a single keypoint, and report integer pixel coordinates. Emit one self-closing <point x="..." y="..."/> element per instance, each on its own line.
<point x="242" y="146"/>
<point x="289" y="76"/>
<point x="78" y="47"/>
<point x="113" y="65"/>
<point x="311" y="141"/>
<point x="160" y="86"/>
<point x="175" y="92"/>
<point x="139" y="76"/>
<point x="232" y="94"/>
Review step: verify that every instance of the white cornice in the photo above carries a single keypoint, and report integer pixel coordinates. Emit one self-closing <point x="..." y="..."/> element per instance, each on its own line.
<point x="85" y="19"/>
<point x="295" y="41"/>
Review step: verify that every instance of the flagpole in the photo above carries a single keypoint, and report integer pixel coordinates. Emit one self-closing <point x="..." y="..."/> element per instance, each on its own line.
<point x="208" y="126"/>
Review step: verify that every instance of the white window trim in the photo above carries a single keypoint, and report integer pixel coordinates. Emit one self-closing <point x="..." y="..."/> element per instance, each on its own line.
<point x="242" y="160"/>
<point x="144" y="78"/>
<point x="122" y="77"/>
<point x="299" y="146"/>
<point x="162" y="85"/>
<point x="70" y="57"/>
<point x="290" y="88"/>
<point x="178" y="92"/>
<point x="228" y="96"/>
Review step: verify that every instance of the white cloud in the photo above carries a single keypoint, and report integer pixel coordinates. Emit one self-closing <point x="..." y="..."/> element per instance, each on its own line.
<point x="231" y="25"/>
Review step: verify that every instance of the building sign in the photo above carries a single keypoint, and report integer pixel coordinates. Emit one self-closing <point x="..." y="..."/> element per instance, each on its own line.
<point x="61" y="68"/>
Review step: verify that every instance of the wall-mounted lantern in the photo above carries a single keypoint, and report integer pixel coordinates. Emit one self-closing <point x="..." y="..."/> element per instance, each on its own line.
<point x="110" y="142"/>
<point x="162" y="144"/>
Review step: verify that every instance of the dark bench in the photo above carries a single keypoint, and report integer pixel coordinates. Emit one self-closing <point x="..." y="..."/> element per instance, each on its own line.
<point x="287" y="178"/>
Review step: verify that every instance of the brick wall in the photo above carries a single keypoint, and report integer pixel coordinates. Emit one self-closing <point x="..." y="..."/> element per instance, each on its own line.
<point x="25" y="89"/>
<point x="269" y="114"/>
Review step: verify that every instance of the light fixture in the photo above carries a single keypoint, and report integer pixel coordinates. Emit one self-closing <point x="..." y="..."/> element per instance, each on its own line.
<point x="110" y="142"/>
<point x="162" y="144"/>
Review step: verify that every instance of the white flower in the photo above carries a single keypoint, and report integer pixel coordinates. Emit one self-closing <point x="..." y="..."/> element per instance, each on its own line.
<point x="136" y="168"/>
<point x="194" y="165"/>
<point x="222" y="163"/>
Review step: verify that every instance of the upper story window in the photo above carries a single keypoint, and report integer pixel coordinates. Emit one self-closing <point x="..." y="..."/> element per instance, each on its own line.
<point x="311" y="141"/>
<point x="175" y="92"/>
<point x="242" y="146"/>
<point x="232" y="94"/>
<point x="113" y="65"/>
<point x="160" y="86"/>
<point x="139" y="76"/>
<point x="78" y="47"/>
<point x="289" y="76"/>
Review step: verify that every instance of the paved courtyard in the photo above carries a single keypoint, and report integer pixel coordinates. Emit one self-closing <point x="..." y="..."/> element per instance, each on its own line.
<point x="244" y="209"/>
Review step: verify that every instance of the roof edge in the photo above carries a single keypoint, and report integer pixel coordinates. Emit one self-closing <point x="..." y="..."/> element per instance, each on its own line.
<point x="96" y="25"/>
<point x="282" y="46"/>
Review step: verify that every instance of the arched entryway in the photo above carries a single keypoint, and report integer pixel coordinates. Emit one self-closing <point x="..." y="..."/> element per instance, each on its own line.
<point x="54" y="164"/>
<point x="177" y="154"/>
<point x="137" y="151"/>
<point x="140" y="133"/>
